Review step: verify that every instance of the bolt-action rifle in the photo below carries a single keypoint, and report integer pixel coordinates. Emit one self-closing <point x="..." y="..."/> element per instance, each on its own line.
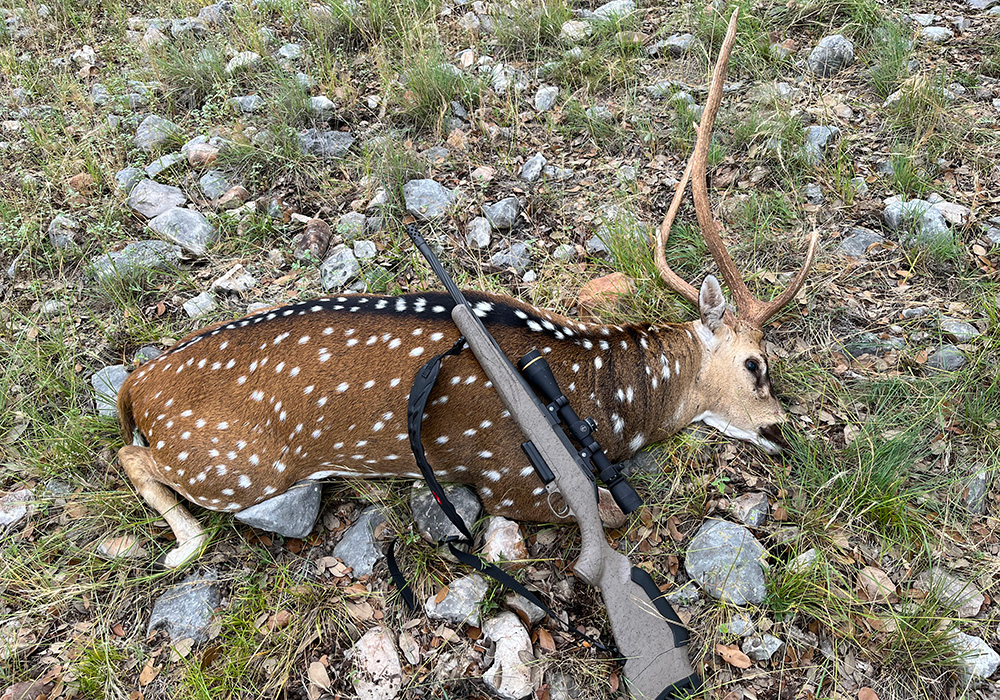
<point x="647" y="631"/>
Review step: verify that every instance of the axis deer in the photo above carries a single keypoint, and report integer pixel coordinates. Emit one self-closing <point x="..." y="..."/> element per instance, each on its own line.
<point x="240" y="411"/>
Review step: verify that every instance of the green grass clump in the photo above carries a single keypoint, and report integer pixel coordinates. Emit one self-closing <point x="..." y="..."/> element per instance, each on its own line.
<point x="527" y="30"/>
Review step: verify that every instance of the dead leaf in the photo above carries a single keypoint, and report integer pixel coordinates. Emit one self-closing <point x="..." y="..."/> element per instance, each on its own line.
<point x="181" y="649"/>
<point x="675" y="534"/>
<point x="148" y="673"/>
<point x="733" y="656"/>
<point x="361" y="612"/>
<point x="877" y="585"/>
<point x="318" y="675"/>
<point x="867" y="693"/>
<point x="279" y="620"/>
<point x="408" y="645"/>
<point x="210" y="655"/>
<point x="545" y="641"/>
<point x="441" y="595"/>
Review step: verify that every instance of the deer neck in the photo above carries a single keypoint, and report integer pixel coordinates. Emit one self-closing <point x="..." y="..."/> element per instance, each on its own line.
<point x="644" y="389"/>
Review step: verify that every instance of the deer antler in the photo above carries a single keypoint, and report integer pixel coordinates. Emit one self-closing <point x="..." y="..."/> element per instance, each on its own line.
<point x="752" y="310"/>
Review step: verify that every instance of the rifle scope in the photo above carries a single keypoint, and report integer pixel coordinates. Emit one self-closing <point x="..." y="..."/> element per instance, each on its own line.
<point x="538" y="373"/>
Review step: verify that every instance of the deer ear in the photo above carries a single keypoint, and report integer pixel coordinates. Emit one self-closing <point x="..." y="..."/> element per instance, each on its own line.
<point x="711" y="303"/>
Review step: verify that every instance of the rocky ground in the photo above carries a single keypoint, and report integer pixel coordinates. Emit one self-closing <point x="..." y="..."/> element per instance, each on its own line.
<point x="172" y="164"/>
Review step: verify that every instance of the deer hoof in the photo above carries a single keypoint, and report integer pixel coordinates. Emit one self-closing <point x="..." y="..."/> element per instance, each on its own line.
<point x="185" y="552"/>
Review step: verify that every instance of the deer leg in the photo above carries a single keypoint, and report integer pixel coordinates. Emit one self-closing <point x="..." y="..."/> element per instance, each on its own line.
<point x="191" y="537"/>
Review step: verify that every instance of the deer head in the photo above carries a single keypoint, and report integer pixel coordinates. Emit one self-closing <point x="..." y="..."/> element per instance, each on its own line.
<point x="733" y="389"/>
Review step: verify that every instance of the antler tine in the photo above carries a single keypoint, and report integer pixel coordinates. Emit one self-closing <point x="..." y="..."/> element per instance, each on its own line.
<point x="761" y="313"/>
<point x="699" y="187"/>
<point x="752" y="311"/>
<point x="671" y="278"/>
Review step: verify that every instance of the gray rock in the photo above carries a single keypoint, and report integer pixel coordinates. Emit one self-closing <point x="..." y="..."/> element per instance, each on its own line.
<point x="510" y="675"/>
<point x="937" y="35"/>
<point x="358" y="548"/>
<point x="959" y="331"/>
<point x="595" y="244"/>
<point x="185" y="227"/>
<point x="235" y="281"/>
<point x="614" y="10"/>
<point x="214" y="184"/>
<point x="163" y="163"/>
<point x="954" y="214"/>
<point x="751" y="509"/>
<point x="53" y="307"/>
<point x="920" y="221"/>
<point x="192" y="27"/>
<point x="684" y="596"/>
<point x="924" y="20"/>
<point x="321" y="106"/>
<point x="739" y="625"/>
<point x="860" y="185"/>
<point x="377" y="673"/>
<point x="977" y="659"/>
<point x="427" y="199"/>
<point x="339" y="268"/>
<point x="575" y="30"/>
<point x="325" y="144"/>
<point x="564" y="252"/>
<point x="216" y="13"/>
<point x="981" y="4"/>
<point x="247" y="104"/>
<point x="598" y="113"/>
<point x="562" y="686"/>
<point x="185" y="610"/>
<point x="553" y="172"/>
<point x="813" y="193"/>
<point x="461" y="604"/>
<point x="525" y="608"/>
<point x="63" y="232"/>
<point x="517" y="257"/>
<point x="977" y="487"/>
<point x="200" y="305"/>
<point x="503" y="214"/>
<point x="725" y="559"/>
<point x="436" y="155"/>
<point x="762" y="648"/>
<point x="243" y="61"/>
<point x="545" y="97"/>
<point x="831" y="55"/>
<point x="290" y="514"/>
<point x="675" y="45"/>
<point x="856" y="245"/>
<point x="146" y="353"/>
<point x="99" y="94"/>
<point x="961" y="598"/>
<point x="291" y="52"/>
<point x="663" y="89"/>
<point x="155" y="132"/>
<point x="15" y="507"/>
<point x="871" y="344"/>
<point x="136" y="258"/>
<point x="351" y="226"/>
<point x="818" y="139"/>
<point x="432" y="524"/>
<point x="947" y="358"/>
<point x="532" y="168"/>
<point x="106" y="382"/>
<point x="479" y="233"/>
<point x="365" y="250"/>
<point x="127" y="178"/>
<point x="152" y="199"/>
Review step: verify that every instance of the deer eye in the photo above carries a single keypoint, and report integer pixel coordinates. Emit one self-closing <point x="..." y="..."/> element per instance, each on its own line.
<point x="752" y="366"/>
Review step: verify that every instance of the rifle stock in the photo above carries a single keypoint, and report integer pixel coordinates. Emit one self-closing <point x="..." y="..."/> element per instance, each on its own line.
<point x="648" y="633"/>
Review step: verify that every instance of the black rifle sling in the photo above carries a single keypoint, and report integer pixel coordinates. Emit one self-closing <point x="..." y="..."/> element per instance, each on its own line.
<point x="423" y="385"/>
